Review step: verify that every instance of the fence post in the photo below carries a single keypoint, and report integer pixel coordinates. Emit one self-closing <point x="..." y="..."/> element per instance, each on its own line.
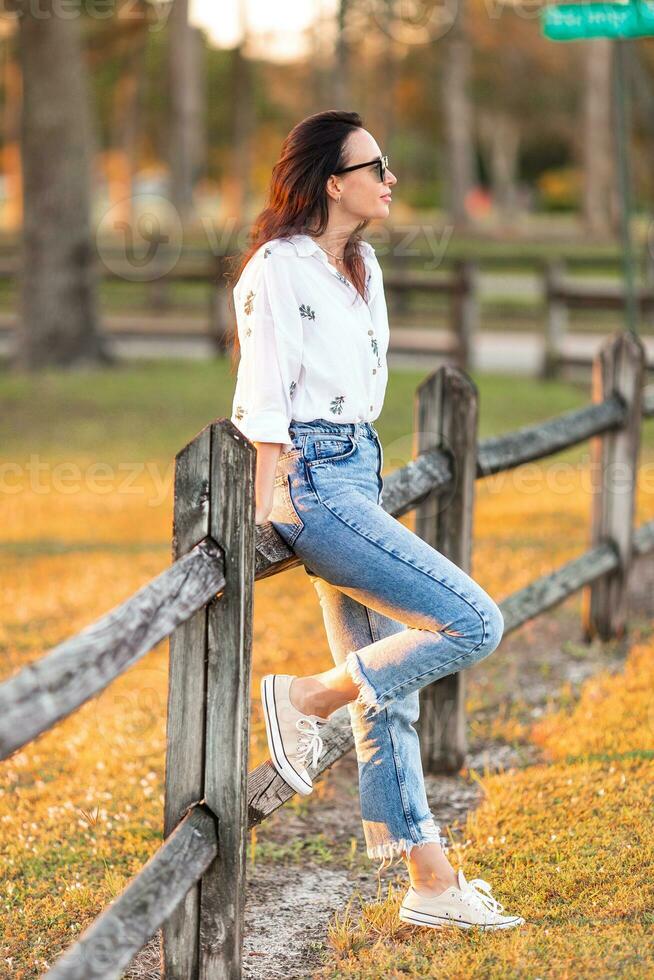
<point x="446" y="418"/>
<point x="465" y="310"/>
<point x="619" y="367"/>
<point x="208" y="700"/>
<point x="557" y="319"/>
<point x="158" y="287"/>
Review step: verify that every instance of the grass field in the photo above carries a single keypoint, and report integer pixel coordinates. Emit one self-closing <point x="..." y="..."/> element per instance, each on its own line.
<point x="567" y="843"/>
<point x="86" y="509"/>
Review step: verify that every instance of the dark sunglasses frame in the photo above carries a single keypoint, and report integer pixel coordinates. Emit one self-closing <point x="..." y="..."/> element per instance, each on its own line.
<point x="382" y="164"/>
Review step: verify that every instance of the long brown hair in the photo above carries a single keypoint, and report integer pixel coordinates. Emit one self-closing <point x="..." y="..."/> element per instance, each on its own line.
<point x="297" y="198"/>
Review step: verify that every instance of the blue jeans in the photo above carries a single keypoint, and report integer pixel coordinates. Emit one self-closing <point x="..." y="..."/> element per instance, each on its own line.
<point x="397" y="612"/>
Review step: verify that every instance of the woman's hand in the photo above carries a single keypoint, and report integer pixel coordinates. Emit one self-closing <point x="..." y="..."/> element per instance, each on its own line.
<point x="264" y="486"/>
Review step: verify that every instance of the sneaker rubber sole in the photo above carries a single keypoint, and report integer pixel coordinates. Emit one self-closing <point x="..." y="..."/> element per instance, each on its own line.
<point x="275" y="743"/>
<point x="432" y="921"/>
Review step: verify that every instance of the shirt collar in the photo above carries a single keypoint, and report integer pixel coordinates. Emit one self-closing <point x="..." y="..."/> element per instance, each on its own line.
<point x="305" y="245"/>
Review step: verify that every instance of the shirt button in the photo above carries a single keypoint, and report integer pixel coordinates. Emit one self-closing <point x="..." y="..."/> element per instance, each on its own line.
<point x="374" y="370"/>
<point x="371" y="408"/>
<point x="370" y="333"/>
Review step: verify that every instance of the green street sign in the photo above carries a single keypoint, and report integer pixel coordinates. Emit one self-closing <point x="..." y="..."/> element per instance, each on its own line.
<point x="576" y="21"/>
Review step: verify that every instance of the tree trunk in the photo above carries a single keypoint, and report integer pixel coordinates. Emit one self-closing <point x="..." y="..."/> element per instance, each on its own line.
<point x="238" y="187"/>
<point x="457" y="111"/>
<point x="504" y="138"/>
<point x="123" y="153"/>
<point x="383" y="107"/>
<point x="341" y="92"/>
<point x="643" y="113"/>
<point x="598" y="146"/>
<point x="186" y="153"/>
<point x="59" y="322"/>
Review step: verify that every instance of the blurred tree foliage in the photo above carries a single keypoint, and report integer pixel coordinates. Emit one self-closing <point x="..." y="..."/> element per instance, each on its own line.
<point x="526" y="94"/>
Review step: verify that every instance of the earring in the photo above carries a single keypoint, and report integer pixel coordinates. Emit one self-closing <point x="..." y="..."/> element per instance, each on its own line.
<point x="338" y="199"/>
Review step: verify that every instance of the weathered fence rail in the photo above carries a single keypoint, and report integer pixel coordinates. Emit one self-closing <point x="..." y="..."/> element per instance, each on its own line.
<point x="193" y="887"/>
<point x="43" y="693"/>
<point x="124" y="928"/>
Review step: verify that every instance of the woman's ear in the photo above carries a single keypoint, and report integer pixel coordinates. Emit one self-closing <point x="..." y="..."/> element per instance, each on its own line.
<point x="332" y="187"/>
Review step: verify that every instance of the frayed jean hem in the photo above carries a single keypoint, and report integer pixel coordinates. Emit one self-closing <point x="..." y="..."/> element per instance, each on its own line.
<point x="395" y="851"/>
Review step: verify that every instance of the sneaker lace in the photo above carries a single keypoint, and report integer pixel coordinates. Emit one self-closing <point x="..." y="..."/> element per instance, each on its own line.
<point x="309" y="742"/>
<point x="479" y="891"/>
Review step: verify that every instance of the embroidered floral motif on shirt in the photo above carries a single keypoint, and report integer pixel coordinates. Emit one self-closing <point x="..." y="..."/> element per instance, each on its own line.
<point x="267" y="252"/>
<point x="375" y="349"/>
<point x="292" y="388"/>
<point x="337" y="405"/>
<point x="307" y="312"/>
<point x="340" y="276"/>
<point x="248" y="306"/>
<point x="239" y="412"/>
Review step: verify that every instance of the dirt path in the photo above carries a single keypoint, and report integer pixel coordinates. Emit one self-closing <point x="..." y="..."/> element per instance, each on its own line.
<point x="292" y="893"/>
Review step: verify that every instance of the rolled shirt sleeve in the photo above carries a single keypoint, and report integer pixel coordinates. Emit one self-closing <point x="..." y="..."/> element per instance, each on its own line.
<point x="271" y="338"/>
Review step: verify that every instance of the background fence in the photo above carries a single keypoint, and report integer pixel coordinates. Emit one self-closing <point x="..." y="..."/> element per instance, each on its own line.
<point x="181" y="303"/>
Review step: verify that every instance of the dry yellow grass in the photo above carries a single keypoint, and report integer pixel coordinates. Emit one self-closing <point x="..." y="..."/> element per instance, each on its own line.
<point x="569" y="845"/>
<point x="81" y="809"/>
<point x="614" y="716"/>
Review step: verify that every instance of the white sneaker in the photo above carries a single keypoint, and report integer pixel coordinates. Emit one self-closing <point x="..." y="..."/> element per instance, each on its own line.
<point x="292" y="736"/>
<point x="471" y="904"/>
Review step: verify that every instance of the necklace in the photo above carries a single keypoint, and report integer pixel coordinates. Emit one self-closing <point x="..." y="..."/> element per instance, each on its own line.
<point x="333" y="254"/>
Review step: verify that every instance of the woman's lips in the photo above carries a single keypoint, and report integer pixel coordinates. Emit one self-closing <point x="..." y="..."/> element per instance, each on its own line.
<point x="387" y="197"/>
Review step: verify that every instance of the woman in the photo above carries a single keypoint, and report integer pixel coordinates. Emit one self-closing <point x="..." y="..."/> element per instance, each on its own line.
<point x="313" y="334"/>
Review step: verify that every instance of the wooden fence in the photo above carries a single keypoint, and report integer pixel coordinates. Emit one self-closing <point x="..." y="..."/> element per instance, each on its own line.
<point x="561" y="296"/>
<point x="457" y="284"/>
<point x="193" y="887"/>
<point x="195" y="268"/>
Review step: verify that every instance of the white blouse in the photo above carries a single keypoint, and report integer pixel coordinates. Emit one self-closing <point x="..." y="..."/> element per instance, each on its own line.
<point x="310" y="345"/>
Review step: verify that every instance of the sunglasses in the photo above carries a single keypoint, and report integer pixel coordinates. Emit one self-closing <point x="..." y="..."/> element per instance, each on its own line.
<point x="381" y="163"/>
